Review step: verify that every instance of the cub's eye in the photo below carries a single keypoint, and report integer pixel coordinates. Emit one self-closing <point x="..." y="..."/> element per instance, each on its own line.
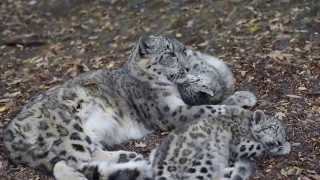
<point x="270" y="144"/>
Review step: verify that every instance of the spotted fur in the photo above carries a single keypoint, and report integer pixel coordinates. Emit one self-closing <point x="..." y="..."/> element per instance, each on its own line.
<point x="68" y="130"/>
<point x="219" y="148"/>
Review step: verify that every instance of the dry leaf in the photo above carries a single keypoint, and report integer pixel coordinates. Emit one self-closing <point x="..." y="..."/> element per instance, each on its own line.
<point x="3" y="108"/>
<point x="289" y="171"/>
<point x="278" y="55"/>
<point x="293" y="96"/>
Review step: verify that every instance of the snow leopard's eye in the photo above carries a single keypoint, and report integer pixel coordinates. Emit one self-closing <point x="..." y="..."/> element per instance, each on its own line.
<point x="271" y="144"/>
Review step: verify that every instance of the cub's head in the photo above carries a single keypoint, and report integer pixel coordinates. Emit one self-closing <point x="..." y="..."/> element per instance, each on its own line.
<point x="269" y="131"/>
<point x="205" y="84"/>
<point x="159" y="57"/>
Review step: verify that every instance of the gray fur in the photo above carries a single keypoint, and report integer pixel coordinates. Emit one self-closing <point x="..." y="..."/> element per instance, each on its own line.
<point x="67" y="129"/>
<point x="220" y="147"/>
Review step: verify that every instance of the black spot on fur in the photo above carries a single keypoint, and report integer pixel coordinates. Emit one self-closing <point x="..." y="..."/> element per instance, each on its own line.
<point x="75" y="136"/>
<point x="196" y="163"/>
<point x="258" y="147"/>
<point x="174" y="113"/>
<point x="166" y="94"/>
<point x="62" y="130"/>
<point x="191" y="170"/>
<point x="159" y="173"/>
<point x="77" y="127"/>
<point x="40" y="139"/>
<point x="57" y="142"/>
<point x="245" y="155"/>
<point x="87" y="138"/>
<point x="200" y="177"/>
<point x="197" y="115"/>
<point x="43" y="155"/>
<point x="162" y="178"/>
<point x="49" y="134"/>
<point x="251" y="147"/>
<point x="78" y="147"/>
<point x="182" y="160"/>
<point x="72" y="158"/>
<point x="208" y="162"/>
<point x="203" y="170"/>
<point x="253" y="154"/>
<point x="43" y="125"/>
<point x="166" y="108"/>
<point x="132" y="155"/>
<point x="172" y="168"/>
<point x="63" y="153"/>
<point x="183" y="118"/>
<point x="242" y="148"/>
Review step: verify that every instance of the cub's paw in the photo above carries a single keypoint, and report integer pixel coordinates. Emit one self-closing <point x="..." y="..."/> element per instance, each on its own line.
<point x="242" y="99"/>
<point x="127" y="156"/>
<point x="62" y="171"/>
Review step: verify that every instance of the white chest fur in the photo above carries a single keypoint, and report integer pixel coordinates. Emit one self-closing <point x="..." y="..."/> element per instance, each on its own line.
<point x="102" y="125"/>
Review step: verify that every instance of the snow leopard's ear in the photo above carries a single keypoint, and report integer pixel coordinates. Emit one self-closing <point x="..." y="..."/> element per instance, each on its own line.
<point x="258" y="116"/>
<point x="145" y="45"/>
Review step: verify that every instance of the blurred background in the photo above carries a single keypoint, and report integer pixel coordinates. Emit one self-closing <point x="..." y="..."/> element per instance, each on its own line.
<point x="272" y="46"/>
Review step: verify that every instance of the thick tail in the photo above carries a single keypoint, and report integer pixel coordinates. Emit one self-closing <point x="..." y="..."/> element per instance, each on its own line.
<point x="138" y="170"/>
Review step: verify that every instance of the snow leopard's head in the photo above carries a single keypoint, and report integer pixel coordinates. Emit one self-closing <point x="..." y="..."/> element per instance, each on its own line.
<point x="269" y="131"/>
<point x="159" y="57"/>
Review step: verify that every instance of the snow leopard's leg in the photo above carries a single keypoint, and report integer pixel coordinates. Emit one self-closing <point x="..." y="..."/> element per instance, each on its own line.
<point x="182" y="115"/>
<point x="139" y="170"/>
<point x="62" y="171"/>
<point x="240" y="170"/>
<point x="116" y="156"/>
<point x="241" y="98"/>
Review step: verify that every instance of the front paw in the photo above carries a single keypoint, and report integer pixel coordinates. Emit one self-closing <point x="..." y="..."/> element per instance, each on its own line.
<point x="242" y="99"/>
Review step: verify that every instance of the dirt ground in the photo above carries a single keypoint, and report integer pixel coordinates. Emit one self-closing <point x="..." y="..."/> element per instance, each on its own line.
<point x="272" y="46"/>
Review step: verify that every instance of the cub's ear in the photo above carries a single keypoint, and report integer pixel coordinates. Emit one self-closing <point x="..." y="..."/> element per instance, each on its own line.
<point x="258" y="116"/>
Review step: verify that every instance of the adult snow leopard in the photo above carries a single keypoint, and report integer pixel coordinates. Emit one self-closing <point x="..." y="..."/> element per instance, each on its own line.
<point x="68" y="129"/>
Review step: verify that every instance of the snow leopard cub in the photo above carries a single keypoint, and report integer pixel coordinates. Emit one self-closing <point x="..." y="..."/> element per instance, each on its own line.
<point x="212" y="82"/>
<point x="205" y="149"/>
<point x="68" y="129"/>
